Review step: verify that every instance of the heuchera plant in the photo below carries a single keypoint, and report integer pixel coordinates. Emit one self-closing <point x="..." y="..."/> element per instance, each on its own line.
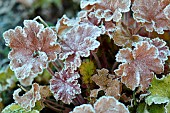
<point x="112" y="58"/>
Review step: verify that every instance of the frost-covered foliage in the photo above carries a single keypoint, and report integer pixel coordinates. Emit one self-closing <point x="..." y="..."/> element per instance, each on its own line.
<point x="64" y="85"/>
<point x="138" y="65"/>
<point x="105" y="104"/>
<point x="154" y="14"/>
<point x="113" y="57"/>
<point x="32" y="48"/>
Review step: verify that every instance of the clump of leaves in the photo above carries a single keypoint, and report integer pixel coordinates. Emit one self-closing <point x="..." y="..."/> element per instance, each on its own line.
<point x="62" y="49"/>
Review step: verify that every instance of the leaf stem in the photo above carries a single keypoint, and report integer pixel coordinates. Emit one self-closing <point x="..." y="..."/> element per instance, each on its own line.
<point x="42" y="21"/>
<point x="56" y="66"/>
<point x="50" y="71"/>
<point x="97" y="59"/>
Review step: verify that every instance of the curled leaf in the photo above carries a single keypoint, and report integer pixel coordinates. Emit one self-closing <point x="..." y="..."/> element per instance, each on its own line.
<point x="107" y="9"/>
<point x="107" y="83"/>
<point x="138" y="65"/>
<point x="29" y="99"/>
<point x="32" y="48"/>
<point x="153" y="14"/>
<point x="64" y="86"/>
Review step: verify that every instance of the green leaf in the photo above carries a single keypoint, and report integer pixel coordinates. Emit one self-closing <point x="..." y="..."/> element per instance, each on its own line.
<point x="39" y="105"/>
<point x="154" y="108"/>
<point x="15" y="108"/>
<point x="160" y="87"/>
<point x="87" y="69"/>
<point x="167" y="107"/>
<point x="156" y="100"/>
<point x="160" y="91"/>
<point x="7" y="79"/>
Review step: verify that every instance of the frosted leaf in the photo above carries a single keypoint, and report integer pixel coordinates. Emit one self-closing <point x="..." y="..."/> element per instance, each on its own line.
<point x="160" y="44"/>
<point x="108" y="104"/>
<point x="28" y="80"/>
<point x="64" y="24"/>
<point x="84" y="108"/>
<point x="111" y="9"/>
<point x="64" y="86"/>
<point x="78" y="42"/>
<point x="28" y="99"/>
<point x="123" y="36"/>
<point x="153" y="14"/>
<point x="33" y="46"/>
<point x="111" y="87"/>
<point x="138" y="69"/>
<point x="162" y="48"/>
<point x="167" y="11"/>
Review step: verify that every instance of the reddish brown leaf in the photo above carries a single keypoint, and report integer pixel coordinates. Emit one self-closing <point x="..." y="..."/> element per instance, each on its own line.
<point x="32" y="48"/>
<point x="139" y="70"/>
<point x="111" y="87"/>
<point x="153" y="14"/>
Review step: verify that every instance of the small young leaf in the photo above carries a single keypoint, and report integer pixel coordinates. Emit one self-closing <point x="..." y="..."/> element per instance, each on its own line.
<point x="111" y="87"/>
<point x="87" y="69"/>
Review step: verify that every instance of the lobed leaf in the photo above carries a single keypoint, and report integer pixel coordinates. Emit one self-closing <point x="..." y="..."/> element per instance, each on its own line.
<point x="77" y="42"/>
<point x="153" y="14"/>
<point x="105" y="104"/>
<point x="32" y="48"/>
<point x="64" y="86"/>
<point x="107" y="83"/>
<point x="159" y="92"/>
<point x="138" y="65"/>
<point x="28" y="99"/>
<point x="107" y="9"/>
<point x="108" y="104"/>
<point x="84" y="108"/>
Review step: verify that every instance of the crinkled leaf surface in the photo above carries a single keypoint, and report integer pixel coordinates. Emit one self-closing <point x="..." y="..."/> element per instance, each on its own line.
<point x="28" y="99"/>
<point x="138" y="65"/>
<point x="15" y="108"/>
<point x="107" y="9"/>
<point x="153" y="14"/>
<point x="108" y="104"/>
<point x="105" y="104"/>
<point x="111" y="87"/>
<point x="84" y="108"/>
<point x="123" y="36"/>
<point x="33" y="46"/>
<point x="161" y="45"/>
<point x="77" y="42"/>
<point x="64" y="86"/>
